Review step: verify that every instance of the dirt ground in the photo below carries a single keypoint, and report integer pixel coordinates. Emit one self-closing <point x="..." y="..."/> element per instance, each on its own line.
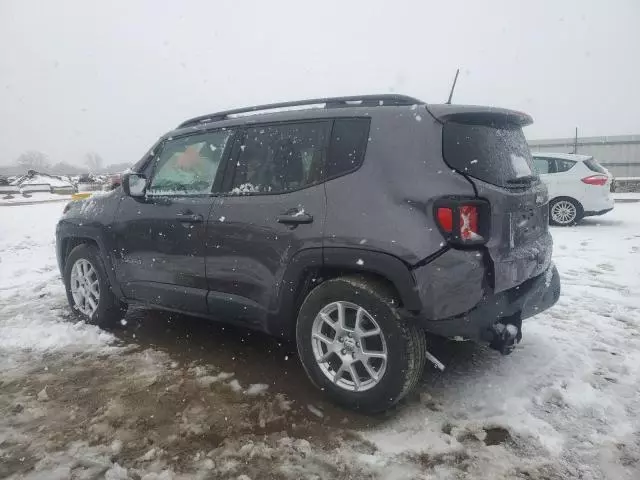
<point x="156" y="405"/>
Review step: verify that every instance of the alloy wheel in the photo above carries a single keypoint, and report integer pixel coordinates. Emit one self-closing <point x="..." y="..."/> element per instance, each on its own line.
<point x="349" y="346"/>
<point x="85" y="288"/>
<point x="564" y="212"/>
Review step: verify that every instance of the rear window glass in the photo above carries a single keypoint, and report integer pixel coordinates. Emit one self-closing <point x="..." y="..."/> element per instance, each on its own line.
<point x="594" y="166"/>
<point x="564" y="165"/>
<point x="497" y="155"/>
<point x="348" y="145"/>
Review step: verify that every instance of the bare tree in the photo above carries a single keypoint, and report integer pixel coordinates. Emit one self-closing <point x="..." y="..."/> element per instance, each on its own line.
<point x="93" y="161"/>
<point x="33" y="160"/>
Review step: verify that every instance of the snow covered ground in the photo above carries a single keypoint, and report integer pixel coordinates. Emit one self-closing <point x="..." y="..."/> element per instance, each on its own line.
<point x="170" y="397"/>
<point x="627" y="196"/>
<point x="34" y="197"/>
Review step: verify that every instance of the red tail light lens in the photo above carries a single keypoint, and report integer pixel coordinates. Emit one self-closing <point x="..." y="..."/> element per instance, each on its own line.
<point x="595" y="180"/>
<point x="445" y="218"/>
<point x="463" y="222"/>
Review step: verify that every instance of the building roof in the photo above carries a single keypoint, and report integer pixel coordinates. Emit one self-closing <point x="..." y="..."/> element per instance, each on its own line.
<point x="35" y="178"/>
<point x="606" y="139"/>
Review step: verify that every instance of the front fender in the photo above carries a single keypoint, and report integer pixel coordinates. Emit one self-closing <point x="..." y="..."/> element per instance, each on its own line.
<point x="89" y="221"/>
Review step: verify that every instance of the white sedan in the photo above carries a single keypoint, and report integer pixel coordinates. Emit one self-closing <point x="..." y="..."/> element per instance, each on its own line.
<point x="578" y="186"/>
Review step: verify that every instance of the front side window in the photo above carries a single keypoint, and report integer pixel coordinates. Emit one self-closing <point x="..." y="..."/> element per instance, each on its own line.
<point x="280" y="158"/>
<point x="188" y="165"/>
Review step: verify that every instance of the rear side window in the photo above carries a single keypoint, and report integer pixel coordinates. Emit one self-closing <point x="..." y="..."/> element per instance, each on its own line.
<point x="564" y="165"/>
<point x="497" y="155"/>
<point x="542" y="165"/>
<point x="349" y="140"/>
<point x="281" y="158"/>
<point x="594" y="166"/>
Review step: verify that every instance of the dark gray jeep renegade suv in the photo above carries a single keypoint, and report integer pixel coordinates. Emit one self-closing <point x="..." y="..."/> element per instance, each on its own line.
<point x="352" y="225"/>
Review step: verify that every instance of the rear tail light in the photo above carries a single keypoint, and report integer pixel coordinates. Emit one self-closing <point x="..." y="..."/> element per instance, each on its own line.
<point x="595" y="180"/>
<point x="445" y="219"/>
<point x="463" y="222"/>
<point x="469" y="222"/>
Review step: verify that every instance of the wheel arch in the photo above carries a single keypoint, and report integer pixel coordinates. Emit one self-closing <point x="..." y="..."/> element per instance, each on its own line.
<point x="71" y="241"/>
<point x="580" y="212"/>
<point x="310" y="268"/>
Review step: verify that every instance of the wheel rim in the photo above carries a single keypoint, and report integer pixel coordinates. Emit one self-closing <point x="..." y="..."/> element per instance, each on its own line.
<point x="85" y="288"/>
<point x="349" y="346"/>
<point x="563" y="212"/>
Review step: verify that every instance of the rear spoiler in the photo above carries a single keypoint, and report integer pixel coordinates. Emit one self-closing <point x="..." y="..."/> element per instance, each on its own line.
<point x="478" y="115"/>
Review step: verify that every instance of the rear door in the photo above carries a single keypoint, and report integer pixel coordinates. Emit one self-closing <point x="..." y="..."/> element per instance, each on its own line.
<point x="274" y="208"/>
<point x="495" y="157"/>
<point x="160" y="239"/>
<point x="566" y="180"/>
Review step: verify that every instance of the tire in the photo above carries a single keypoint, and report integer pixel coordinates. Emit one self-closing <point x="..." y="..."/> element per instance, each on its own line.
<point x="108" y="309"/>
<point x="559" y="208"/>
<point x="403" y="342"/>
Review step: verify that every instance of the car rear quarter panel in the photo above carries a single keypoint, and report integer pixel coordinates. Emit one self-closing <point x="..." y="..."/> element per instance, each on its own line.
<point x="387" y="204"/>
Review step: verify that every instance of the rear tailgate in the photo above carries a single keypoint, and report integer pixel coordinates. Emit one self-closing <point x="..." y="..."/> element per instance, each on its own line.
<point x="520" y="244"/>
<point x="488" y="147"/>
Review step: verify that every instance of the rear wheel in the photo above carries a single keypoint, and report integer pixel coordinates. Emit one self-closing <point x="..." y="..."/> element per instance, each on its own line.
<point x="88" y="289"/>
<point x="354" y="345"/>
<point x="564" y="212"/>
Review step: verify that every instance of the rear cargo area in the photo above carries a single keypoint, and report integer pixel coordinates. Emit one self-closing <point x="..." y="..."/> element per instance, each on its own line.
<point x="490" y="150"/>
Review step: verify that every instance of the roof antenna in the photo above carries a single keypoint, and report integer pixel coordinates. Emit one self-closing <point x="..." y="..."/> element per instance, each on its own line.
<point x="453" y="87"/>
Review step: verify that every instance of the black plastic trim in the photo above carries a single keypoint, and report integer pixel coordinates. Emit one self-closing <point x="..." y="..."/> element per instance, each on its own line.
<point x="383" y="264"/>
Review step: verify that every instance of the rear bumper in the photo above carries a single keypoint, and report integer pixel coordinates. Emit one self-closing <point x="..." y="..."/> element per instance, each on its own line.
<point x="523" y="301"/>
<point x="597" y="212"/>
<point x="597" y="204"/>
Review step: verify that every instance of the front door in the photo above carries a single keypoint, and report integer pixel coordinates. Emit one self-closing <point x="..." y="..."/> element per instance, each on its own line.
<point x="274" y="209"/>
<point x="160" y="239"/>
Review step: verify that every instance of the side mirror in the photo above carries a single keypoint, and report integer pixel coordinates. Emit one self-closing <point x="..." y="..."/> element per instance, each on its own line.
<point x="134" y="184"/>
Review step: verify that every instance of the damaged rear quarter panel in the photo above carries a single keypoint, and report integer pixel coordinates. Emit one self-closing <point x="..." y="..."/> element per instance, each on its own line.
<point x="387" y="205"/>
<point x="452" y="284"/>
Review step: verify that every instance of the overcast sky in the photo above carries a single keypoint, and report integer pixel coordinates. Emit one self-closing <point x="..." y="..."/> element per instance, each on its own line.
<point x="112" y="76"/>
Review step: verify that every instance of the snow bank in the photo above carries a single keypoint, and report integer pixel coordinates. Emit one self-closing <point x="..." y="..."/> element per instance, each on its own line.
<point x="34" y="316"/>
<point x="42" y="179"/>
<point x="565" y="403"/>
<point x="34" y="197"/>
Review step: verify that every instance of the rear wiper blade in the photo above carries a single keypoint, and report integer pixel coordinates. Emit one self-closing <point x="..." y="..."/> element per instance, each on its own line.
<point x="522" y="180"/>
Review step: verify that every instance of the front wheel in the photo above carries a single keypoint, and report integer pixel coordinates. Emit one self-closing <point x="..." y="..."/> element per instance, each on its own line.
<point x="355" y="346"/>
<point x="88" y="289"/>
<point x="564" y="212"/>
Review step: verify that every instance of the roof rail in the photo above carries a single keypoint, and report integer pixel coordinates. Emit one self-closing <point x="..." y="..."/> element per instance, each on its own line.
<point x="329" y="102"/>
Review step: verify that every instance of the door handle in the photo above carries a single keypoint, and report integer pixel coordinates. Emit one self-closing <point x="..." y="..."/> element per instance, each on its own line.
<point x="295" y="218"/>
<point x="189" y="217"/>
